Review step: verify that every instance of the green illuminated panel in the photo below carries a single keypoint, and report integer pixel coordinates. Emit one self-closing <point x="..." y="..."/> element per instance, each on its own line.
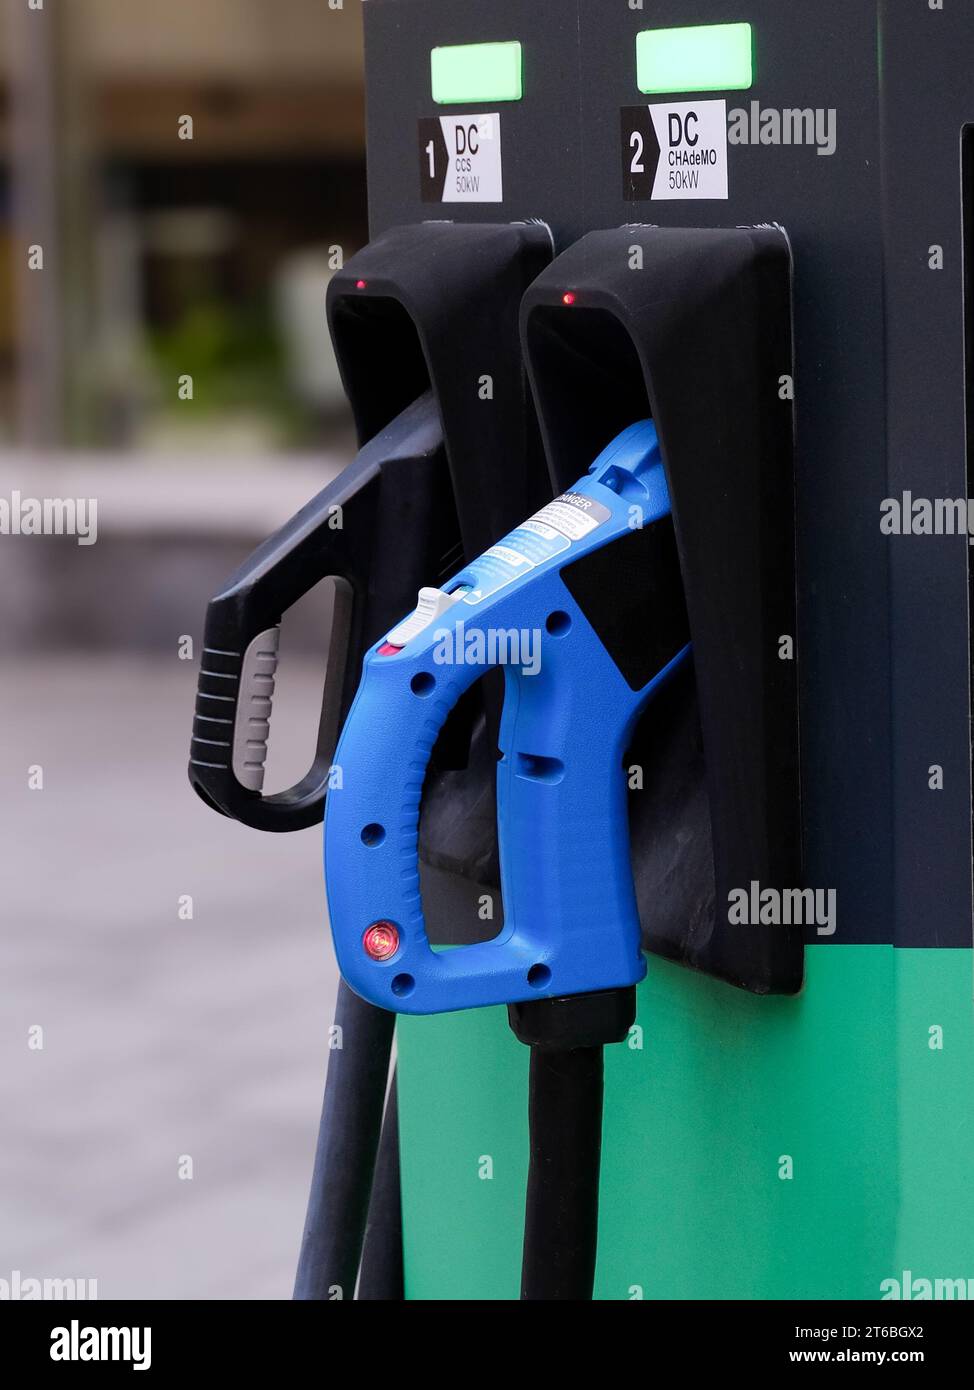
<point x="704" y="58"/>
<point x="476" y="72"/>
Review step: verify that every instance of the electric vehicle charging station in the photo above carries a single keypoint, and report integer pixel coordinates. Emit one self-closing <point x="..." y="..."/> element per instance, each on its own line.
<point x="751" y="225"/>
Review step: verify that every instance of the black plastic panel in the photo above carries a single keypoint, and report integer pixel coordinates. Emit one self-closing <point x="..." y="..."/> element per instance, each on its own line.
<point x="438" y="303"/>
<point x="700" y="336"/>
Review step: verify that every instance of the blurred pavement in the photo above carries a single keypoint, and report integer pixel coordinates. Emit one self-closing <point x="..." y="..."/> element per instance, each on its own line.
<point x="162" y="1037"/>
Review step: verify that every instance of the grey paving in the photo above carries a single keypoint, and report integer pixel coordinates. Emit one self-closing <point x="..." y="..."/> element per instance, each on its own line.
<point x="162" y="1037"/>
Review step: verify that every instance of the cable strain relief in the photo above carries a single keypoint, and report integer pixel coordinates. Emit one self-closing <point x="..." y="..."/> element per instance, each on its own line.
<point x="579" y="1020"/>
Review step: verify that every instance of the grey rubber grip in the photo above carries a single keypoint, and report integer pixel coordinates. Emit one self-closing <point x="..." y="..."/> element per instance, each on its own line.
<point x="254" y="705"/>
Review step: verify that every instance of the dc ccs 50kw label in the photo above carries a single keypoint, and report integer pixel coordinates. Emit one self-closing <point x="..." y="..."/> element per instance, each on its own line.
<point x="674" y="150"/>
<point x="460" y="159"/>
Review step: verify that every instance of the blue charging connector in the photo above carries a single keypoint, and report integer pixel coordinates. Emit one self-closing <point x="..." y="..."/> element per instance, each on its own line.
<point x="571" y="924"/>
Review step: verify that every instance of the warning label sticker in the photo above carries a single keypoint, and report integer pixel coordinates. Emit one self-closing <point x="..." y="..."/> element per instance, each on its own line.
<point x="460" y="159"/>
<point x="675" y="150"/>
<point x="549" y="532"/>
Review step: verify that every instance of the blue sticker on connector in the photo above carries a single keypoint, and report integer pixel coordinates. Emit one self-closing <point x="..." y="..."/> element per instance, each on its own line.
<point x="551" y="531"/>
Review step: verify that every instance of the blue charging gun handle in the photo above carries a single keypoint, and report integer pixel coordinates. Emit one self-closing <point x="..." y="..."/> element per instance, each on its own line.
<point x="575" y="684"/>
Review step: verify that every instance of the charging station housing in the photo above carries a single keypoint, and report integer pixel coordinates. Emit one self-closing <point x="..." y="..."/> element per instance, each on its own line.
<point x="812" y="1143"/>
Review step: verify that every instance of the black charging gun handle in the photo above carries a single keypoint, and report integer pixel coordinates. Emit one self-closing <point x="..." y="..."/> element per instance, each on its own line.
<point x="240" y="653"/>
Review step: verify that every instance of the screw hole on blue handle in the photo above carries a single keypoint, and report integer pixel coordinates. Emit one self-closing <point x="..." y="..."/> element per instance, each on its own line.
<point x="558" y="624"/>
<point x="538" y="977"/>
<point x="373" y="835"/>
<point x="403" y="985"/>
<point x="538" y="769"/>
<point x="422" y="683"/>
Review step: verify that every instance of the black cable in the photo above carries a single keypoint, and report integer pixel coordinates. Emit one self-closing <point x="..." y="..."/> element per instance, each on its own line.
<point x="345" y="1158"/>
<point x="381" y="1276"/>
<point x="561" y="1218"/>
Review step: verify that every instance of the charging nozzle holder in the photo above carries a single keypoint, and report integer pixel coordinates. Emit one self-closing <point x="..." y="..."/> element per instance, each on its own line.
<point x="693" y="328"/>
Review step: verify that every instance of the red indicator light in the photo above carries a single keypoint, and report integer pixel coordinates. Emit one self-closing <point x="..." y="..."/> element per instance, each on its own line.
<point x="361" y="284"/>
<point x="381" y="941"/>
<point x="568" y="299"/>
<point x="387" y="649"/>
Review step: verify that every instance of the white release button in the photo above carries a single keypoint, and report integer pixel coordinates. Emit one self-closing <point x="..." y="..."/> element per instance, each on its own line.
<point x="432" y="604"/>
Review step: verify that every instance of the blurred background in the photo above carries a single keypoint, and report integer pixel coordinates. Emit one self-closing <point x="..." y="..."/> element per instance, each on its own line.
<point x="166" y="260"/>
